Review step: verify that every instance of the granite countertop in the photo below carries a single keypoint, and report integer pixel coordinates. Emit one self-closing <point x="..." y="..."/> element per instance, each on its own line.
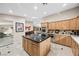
<point x="76" y="38"/>
<point x="36" y="37"/>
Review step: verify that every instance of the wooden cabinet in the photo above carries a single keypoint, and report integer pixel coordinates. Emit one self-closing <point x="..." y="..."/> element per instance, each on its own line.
<point x="65" y="25"/>
<point x="72" y="24"/>
<point x="29" y="46"/>
<point x="37" y="48"/>
<point x="45" y="47"/>
<point x="77" y="23"/>
<point x="58" y="25"/>
<point x="63" y="40"/>
<point x="75" y="48"/>
<point x="51" y="26"/>
<point x="68" y="41"/>
<point x="25" y="43"/>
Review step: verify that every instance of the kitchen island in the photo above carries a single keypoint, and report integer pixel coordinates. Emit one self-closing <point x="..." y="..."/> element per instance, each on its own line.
<point x="36" y="45"/>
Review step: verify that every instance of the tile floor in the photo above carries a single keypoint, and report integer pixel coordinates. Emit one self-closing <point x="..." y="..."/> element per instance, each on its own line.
<point x="59" y="50"/>
<point x="14" y="49"/>
<point x="55" y="51"/>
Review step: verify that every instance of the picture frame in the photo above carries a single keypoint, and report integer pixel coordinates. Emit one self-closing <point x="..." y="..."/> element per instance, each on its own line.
<point x="19" y="27"/>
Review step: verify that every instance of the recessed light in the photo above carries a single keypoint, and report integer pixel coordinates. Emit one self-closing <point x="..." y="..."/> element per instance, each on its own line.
<point x="64" y="5"/>
<point x="25" y="15"/>
<point x="45" y="13"/>
<point x="10" y="11"/>
<point x="35" y="7"/>
<point x="34" y="17"/>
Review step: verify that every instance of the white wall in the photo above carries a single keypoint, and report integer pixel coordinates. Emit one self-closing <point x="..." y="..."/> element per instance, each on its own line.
<point x="17" y="36"/>
<point x="68" y="14"/>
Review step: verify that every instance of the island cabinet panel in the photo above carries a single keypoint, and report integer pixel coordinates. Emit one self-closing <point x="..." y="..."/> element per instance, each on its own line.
<point x="32" y="48"/>
<point x="72" y="24"/>
<point x="45" y="47"/>
<point x="37" y="48"/>
<point x="25" y="44"/>
<point x="77" y="23"/>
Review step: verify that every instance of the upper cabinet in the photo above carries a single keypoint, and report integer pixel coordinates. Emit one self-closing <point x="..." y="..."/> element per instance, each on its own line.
<point x="65" y="25"/>
<point x="77" y="23"/>
<point x="72" y="24"/>
<point x="51" y="25"/>
<point x="58" y="25"/>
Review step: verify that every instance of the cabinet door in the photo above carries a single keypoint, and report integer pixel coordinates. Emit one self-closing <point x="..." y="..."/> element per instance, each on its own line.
<point x="65" y="25"/>
<point x="35" y="50"/>
<point x="29" y="46"/>
<point x="56" y="25"/>
<point x="69" y="42"/>
<point x="77" y="23"/>
<point x="62" y="25"/>
<point x="72" y="24"/>
<point x="25" y="44"/>
<point x="50" y="26"/>
<point x="53" y="26"/>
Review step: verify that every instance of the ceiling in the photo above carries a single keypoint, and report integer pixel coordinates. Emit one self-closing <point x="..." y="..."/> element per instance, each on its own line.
<point x="34" y="10"/>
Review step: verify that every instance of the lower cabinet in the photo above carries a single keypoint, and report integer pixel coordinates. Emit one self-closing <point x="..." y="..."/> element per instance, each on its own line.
<point x="63" y="40"/>
<point x="37" y="48"/>
<point x="75" y="48"/>
<point x="68" y="41"/>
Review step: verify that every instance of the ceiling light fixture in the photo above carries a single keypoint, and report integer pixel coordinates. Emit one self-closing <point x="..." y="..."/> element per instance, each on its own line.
<point x="10" y="11"/>
<point x="35" y="7"/>
<point x="34" y="17"/>
<point x="25" y="15"/>
<point x="45" y="13"/>
<point x="64" y="5"/>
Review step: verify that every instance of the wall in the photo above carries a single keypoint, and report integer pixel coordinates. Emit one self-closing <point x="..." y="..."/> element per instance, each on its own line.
<point x="6" y="29"/>
<point x="17" y="36"/>
<point x="68" y="14"/>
